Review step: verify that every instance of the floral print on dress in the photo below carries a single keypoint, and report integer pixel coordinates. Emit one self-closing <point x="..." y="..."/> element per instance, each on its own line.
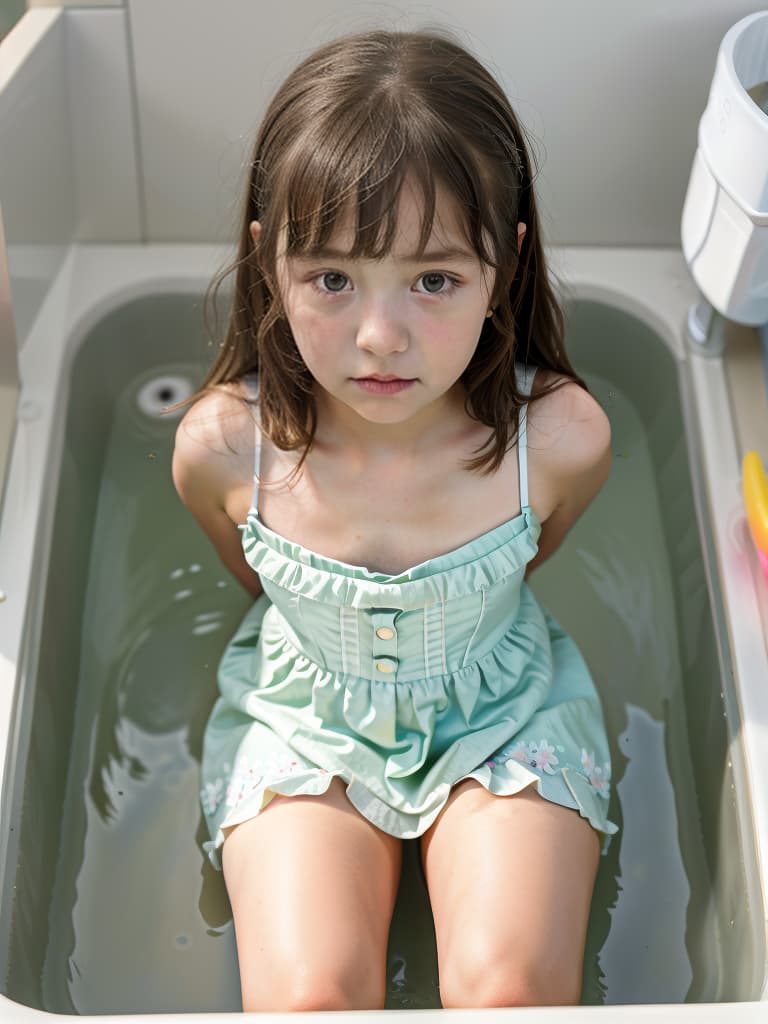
<point x="212" y="794"/>
<point x="542" y="757"/>
<point x="247" y="777"/>
<point x="598" y="775"/>
<point x="244" y="779"/>
<point x="539" y="755"/>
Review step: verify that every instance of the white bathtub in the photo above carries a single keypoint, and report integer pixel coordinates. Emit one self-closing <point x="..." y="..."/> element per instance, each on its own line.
<point x="107" y="904"/>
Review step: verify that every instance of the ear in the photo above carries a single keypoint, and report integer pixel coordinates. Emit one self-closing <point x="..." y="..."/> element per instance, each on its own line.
<point x="255" y="229"/>
<point x="521" y="229"/>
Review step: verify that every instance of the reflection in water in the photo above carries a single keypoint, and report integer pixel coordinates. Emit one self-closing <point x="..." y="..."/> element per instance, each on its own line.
<point x="141" y="918"/>
<point x="649" y="917"/>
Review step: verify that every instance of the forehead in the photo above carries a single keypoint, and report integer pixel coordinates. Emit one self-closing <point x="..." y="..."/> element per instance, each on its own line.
<point x="447" y="227"/>
<point x="406" y="229"/>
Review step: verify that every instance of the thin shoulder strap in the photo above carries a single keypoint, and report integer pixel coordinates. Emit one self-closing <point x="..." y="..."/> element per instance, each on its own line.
<point x="524" y="375"/>
<point x="252" y="384"/>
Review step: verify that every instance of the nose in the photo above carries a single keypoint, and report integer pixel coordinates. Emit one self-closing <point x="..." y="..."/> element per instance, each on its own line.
<point x="382" y="328"/>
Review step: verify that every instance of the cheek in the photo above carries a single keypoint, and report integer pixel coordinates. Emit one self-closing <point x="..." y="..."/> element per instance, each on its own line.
<point x="315" y="338"/>
<point x="451" y="338"/>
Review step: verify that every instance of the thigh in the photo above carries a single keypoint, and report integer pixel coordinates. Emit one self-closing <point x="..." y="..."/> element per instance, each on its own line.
<point x="510" y="880"/>
<point x="312" y="886"/>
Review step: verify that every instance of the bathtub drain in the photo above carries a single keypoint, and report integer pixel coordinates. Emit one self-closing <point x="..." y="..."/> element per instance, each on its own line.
<point x="160" y="393"/>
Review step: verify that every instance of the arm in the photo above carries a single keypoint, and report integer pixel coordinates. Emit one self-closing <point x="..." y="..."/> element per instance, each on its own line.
<point x="204" y="479"/>
<point x="578" y="461"/>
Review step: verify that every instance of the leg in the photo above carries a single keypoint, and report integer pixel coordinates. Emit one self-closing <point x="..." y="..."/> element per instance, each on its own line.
<point x="312" y="886"/>
<point x="510" y="879"/>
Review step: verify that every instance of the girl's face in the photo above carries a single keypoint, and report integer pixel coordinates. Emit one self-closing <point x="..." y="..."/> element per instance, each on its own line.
<point x="417" y="319"/>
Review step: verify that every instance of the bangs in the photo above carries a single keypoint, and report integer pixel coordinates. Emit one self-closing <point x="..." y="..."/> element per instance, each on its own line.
<point x="353" y="174"/>
<point x="364" y="124"/>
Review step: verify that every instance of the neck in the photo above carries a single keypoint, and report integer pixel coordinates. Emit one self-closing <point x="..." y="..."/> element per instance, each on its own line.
<point x="340" y="427"/>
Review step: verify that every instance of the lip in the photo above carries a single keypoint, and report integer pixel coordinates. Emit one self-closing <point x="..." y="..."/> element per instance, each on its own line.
<point x="383" y="385"/>
<point x="384" y="377"/>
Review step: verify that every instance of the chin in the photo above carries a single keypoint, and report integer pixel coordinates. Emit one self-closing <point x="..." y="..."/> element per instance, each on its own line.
<point x="383" y="415"/>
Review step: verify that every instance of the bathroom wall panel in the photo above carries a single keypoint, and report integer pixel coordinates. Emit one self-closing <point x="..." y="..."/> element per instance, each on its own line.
<point x="612" y="92"/>
<point x="75" y="3"/>
<point x="104" y="143"/>
<point x="37" y="187"/>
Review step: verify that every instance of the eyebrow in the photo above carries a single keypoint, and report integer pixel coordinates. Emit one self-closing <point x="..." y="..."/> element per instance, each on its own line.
<point x="433" y="256"/>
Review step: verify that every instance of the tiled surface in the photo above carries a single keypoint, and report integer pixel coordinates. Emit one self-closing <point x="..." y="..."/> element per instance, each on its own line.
<point x="612" y="106"/>
<point x="36" y="183"/>
<point x="37" y="189"/>
<point x="613" y="93"/>
<point x="103" y="138"/>
<point x="75" y="3"/>
<point x="66" y="101"/>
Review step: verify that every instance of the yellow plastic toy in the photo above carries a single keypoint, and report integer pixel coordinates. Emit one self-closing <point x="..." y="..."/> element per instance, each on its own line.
<point x="755" y="486"/>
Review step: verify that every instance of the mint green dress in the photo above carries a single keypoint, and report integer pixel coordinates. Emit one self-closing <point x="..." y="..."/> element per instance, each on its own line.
<point x="402" y="685"/>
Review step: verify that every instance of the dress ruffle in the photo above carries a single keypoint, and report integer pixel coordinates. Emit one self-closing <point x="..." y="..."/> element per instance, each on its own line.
<point x="569" y="788"/>
<point x="479" y="564"/>
<point x="286" y="725"/>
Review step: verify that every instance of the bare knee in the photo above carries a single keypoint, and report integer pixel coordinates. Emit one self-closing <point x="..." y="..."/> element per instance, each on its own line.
<point x="494" y="977"/>
<point x="307" y="989"/>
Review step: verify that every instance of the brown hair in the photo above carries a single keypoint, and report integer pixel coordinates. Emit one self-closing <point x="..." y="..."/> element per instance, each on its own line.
<point x="348" y="126"/>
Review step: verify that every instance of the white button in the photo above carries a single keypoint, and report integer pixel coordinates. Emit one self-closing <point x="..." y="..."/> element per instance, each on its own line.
<point x="385" y="633"/>
<point x="385" y="666"/>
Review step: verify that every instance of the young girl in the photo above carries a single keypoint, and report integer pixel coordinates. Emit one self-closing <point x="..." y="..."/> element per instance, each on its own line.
<point x="394" y="380"/>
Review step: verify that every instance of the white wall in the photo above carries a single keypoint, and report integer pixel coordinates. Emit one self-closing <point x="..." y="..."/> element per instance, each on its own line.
<point x="612" y="89"/>
<point x="68" y="154"/>
<point x="103" y="114"/>
<point x="74" y="3"/>
<point x="134" y="121"/>
<point x="36" y="177"/>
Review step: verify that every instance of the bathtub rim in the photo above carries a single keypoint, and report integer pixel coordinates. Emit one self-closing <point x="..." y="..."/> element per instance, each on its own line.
<point x="680" y="1013"/>
<point x="96" y="279"/>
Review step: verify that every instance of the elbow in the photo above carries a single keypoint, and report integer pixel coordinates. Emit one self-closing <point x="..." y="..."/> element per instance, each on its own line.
<point x="535" y="562"/>
<point x="248" y="580"/>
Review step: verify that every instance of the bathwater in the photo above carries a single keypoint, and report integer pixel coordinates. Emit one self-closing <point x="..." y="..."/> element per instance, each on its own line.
<point x="138" y="919"/>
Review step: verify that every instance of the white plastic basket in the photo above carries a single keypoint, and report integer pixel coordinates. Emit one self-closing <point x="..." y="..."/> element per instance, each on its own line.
<point x="725" y="216"/>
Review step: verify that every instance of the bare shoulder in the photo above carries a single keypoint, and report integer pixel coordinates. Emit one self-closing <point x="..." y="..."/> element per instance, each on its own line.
<point x="213" y="472"/>
<point x="569" y="447"/>
<point x="567" y="422"/>
<point x="569" y="443"/>
<point x="214" y="443"/>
